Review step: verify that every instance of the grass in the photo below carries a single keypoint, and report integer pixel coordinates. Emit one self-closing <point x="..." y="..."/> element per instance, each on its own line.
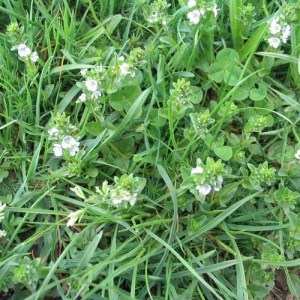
<point x="151" y="151"/>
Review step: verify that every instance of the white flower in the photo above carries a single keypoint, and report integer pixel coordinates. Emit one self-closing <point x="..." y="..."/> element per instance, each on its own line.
<point x="96" y="95"/>
<point x="116" y="201"/>
<point x="2" y="233"/>
<point x="153" y="18"/>
<point x="195" y="15"/>
<point x="91" y="85"/>
<point x="297" y="155"/>
<point x="191" y="3"/>
<point x="70" y="144"/>
<point x="82" y="98"/>
<point x="125" y="69"/>
<point x="83" y="71"/>
<point x="34" y="56"/>
<point x="23" y="51"/>
<point x="215" y="10"/>
<point x="121" y="58"/>
<point x="57" y="150"/>
<point x="197" y="170"/>
<point x="73" y="217"/>
<point x="203" y="189"/>
<point x="274" y="27"/>
<point x="274" y="42"/>
<point x="53" y="132"/>
<point x="286" y="32"/>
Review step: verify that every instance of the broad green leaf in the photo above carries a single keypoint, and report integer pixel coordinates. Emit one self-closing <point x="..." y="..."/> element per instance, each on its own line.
<point x="124" y="98"/>
<point x="196" y="96"/>
<point x="259" y="92"/>
<point x="224" y="152"/>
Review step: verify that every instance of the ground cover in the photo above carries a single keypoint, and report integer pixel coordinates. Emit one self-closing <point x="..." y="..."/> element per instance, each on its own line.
<point x="149" y="149"/>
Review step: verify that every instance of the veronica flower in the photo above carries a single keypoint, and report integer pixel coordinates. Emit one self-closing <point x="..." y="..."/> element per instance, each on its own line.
<point x="274" y="27"/>
<point x="274" y="42"/>
<point x="286" y="32"/>
<point x="82" y="97"/>
<point x="70" y="144"/>
<point x="53" y="132"/>
<point x="23" y="51"/>
<point x="34" y="56"/>
<point x="203" y="189"/>
<point x="96" y="95"/>
<point x="197" y="170"/>
<point x="91" y="85"/>
<point x="191" y="3"/>
<point x="195" y="15"/>
<point x="83" y="71"/>
<point x="125" y="69"/>
<point x="57" y="150"/>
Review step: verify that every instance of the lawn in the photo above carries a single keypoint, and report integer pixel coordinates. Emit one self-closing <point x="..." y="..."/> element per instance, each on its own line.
<point x="149" y="149"/>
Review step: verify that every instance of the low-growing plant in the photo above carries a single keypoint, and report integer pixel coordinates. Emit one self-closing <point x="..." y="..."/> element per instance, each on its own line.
<point x="149" y="149"/>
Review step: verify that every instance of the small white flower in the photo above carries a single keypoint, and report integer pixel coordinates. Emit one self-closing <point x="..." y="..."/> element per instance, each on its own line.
<point x="82" y="98"/>
<point x="96" y="95"/>
<point x="274" y="42"/>
<point x="191" y="3"/>
<point x="121" y="58"/>
<point x="153" y="18"/>
<point x="53" y="132"/>
<point x="297" y="155"/>
<point x="23" y="51"/>
<point x="124" y="69"/>
<point x="57" y="150"/>
<point x="203" y="189"/>
<point x="215" y="10"/>
<point x="194" y="16"/>
<point x="133" y="200"/>
<point x="83" y="71"/>
<point x="274" y="27"/>
<point x="286" y="32"/>
<point x="197" y="170"/>
<point x="91" y="85"/>
<point x="34" y="57"/>
<point x="116" y="201"/>
<point x="2" y="233"/>
<point x="70" y="144"/>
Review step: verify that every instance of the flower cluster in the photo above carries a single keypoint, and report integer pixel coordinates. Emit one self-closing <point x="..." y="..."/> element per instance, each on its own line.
<point x="208" y="177"/>
<point x="2" y="207"/>
<point x="157" y="13"/>
<point x="279" y="31"/>
<point x="201" y="121"/>
<point x="25" y="53"/>
<point x="198" y="11"/>
<point x="124" y="191"/>
<point x="100" y="80"/>
<point x="61" y="134"/>
<point x="125" y="67"/>
<point x="68" y="143"/>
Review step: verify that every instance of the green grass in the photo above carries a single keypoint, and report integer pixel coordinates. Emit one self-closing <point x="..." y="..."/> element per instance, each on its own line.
<point x="148" y="159"/>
